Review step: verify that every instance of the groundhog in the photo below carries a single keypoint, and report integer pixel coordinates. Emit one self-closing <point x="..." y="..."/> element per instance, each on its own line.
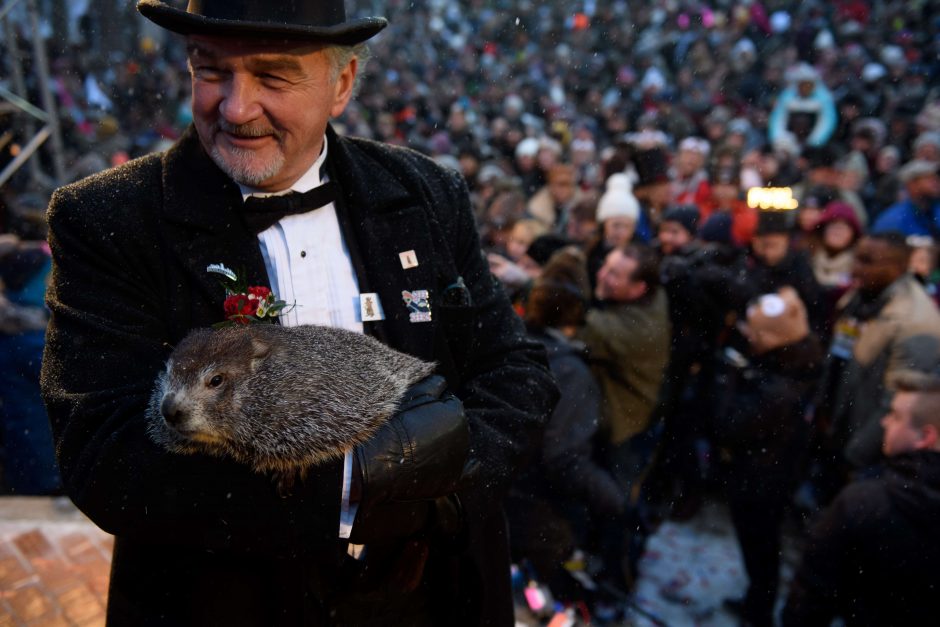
<point x="279" y="399"/>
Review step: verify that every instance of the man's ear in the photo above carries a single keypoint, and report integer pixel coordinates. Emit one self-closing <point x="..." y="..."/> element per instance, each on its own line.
<point x="343" y="88"/>
<point x="929" y="438"/>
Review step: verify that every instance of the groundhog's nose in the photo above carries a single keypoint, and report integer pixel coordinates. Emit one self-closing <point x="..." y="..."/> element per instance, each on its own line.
<point x="171" y="410"/>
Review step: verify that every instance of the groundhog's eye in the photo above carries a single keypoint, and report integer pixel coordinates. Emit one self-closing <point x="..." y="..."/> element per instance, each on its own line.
<point x="216" y="381"/>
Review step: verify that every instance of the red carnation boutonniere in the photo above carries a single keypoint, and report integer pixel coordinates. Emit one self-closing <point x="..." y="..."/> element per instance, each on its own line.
<point x="246" y="304"/>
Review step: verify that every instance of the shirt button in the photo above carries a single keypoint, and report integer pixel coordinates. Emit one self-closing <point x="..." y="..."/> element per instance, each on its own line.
<point x="303" y="253"/>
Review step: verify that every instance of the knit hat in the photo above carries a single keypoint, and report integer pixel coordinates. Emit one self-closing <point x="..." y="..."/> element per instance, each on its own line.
<point x="717" y="229"/>
<point x="838" y="210"/>
<point x="775" y="320"/>
<point x="618" y="201"/>
<point x="686" y="215"/>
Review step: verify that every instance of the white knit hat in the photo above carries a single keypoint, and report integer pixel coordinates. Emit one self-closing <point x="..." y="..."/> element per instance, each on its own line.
<point x="618" y="201"/>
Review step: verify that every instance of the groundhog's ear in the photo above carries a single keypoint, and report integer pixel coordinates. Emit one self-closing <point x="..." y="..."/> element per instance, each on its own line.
<point x="259" y="352"/>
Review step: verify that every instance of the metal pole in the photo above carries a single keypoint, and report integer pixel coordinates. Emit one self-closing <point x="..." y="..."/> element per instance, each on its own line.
<point x="19" y="84"/>
<point x="48" y="102"/>
<point x="8" y="7"/>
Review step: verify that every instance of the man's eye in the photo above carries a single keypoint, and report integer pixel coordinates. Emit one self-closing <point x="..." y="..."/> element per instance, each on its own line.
<point x="273" y="80"/>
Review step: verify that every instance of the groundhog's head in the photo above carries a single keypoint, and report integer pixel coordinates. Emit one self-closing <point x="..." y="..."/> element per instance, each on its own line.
<point x="198" y="395"/>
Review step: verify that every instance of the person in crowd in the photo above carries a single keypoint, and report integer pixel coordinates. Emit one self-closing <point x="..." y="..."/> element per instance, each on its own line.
<point x="919" y="214"/>
<point x="627" y="337"/>
<point x="677" y="229"/>
<point x="761" y="400"/>
<point x="689" y="176"/>
<point x="357" y="540"/>
<point x="582" y="220"/>
<point x="923" y="263"/>
<point x="772" y="265"/>
<point x="726" y="198"/>
<point x="838" y="230"/>
<point x="552" y="204"/>
<point x="871" y="556"/>
<point x="618" y="212"/>
<point x="547" y="499"/>
<point x="628" y="342"/>
<point x="824" y="182"/>
<point x="885" y="325"/>
<point x="804" y="109"/>
<point x="653" y="189"/>
<point x="27" y="459"/>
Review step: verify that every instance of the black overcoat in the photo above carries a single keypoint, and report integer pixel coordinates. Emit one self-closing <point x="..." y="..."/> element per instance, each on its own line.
<point x="204" y="541"/>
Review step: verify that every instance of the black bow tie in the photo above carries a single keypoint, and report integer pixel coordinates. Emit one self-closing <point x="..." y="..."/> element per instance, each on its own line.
<point x="262" y="212"/>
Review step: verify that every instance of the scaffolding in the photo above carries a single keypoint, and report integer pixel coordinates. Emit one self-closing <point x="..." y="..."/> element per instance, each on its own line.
<point x="17" y="100"/>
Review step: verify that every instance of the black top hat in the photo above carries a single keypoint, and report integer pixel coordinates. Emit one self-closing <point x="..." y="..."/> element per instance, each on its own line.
<point x="310" y="20"/>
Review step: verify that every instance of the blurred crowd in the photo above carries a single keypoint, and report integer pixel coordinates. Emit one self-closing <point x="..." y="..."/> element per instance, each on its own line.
<point x="722" y="220"/>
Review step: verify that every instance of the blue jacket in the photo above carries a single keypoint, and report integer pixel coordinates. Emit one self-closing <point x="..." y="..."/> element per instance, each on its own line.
<point x="909" y="219"/>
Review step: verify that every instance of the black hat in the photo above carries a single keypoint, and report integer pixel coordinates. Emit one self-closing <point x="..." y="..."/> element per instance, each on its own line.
<point x="717" y="228"/>
<point x="310" y="20"/>
<point x="770" y="221"/>
<point x="686" y="215"/>
<point x="651" y="166"/>
<point x="543" y="247"/>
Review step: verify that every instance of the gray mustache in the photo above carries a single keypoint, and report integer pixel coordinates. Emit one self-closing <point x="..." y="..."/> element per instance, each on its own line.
<point x="247" y="130"/>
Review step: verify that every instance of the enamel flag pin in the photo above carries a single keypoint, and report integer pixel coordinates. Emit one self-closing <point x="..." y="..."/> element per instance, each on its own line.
<point x="419" y="307"/>
<point x="408" y="259"/>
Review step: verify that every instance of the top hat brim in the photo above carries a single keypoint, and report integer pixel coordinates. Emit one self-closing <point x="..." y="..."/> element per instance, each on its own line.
<point x="179" y="21"/>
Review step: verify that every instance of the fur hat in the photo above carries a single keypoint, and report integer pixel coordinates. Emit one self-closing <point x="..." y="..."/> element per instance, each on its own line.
<point x="775" y="320"/>
<point x="309" y="20"/>
<point x="618" y="201"/>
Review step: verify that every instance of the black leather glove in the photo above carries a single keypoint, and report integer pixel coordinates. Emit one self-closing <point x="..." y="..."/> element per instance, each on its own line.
<point x="419" y="455"/>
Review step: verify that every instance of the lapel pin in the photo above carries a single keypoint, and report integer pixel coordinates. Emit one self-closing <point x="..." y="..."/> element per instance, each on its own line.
<point x="370" y="308"/>
<point x="419" y="307"/>
<point x="219" y="268"/>
<point x="408" y="259"/>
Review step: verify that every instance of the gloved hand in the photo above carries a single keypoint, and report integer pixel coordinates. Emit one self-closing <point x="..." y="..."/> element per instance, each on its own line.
<point x="420" y="453"/>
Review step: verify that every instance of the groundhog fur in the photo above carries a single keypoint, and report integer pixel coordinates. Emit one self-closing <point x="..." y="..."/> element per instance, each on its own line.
<point x="279" y="399"/>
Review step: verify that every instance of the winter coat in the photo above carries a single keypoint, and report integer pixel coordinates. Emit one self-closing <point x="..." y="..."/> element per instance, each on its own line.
<point x="629" y="349"/>
<point x="564" y="468"/>
<point x="873" y="558"/>
<point x="204" y="540"/>
<point x="899" y="330"/>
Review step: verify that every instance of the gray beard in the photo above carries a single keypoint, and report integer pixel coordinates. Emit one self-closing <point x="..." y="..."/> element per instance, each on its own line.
<point x="239" y="168"/>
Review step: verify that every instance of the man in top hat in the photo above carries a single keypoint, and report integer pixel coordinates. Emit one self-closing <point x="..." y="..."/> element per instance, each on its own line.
<point x="351" y="230"/>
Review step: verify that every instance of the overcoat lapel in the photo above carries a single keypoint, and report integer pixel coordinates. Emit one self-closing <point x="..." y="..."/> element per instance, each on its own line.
<point x="381" y="220"/>
<point x="204" y="226"/>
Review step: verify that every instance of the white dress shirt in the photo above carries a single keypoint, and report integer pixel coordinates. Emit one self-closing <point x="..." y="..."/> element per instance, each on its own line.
<point x="309" y="267"/>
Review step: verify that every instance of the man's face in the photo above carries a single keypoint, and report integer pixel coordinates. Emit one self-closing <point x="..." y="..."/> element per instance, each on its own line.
<point x="924" y="187"/>
<point x="688" y="162"/>
<point x="901" y="436"/>
<point x="615" y="281"/>
<point x="561" y="185"/>
<point x="771" y="248"/>
<point x="875" y="267"/>
<point x="261" y="108"/>
<point x="672" y="237"/>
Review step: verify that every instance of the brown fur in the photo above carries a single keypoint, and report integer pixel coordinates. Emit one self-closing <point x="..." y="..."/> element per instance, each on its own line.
<point x="290" y="397"/>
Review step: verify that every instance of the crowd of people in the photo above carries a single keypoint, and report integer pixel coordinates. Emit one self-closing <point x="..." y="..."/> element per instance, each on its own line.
<point x="721" y="219"/>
